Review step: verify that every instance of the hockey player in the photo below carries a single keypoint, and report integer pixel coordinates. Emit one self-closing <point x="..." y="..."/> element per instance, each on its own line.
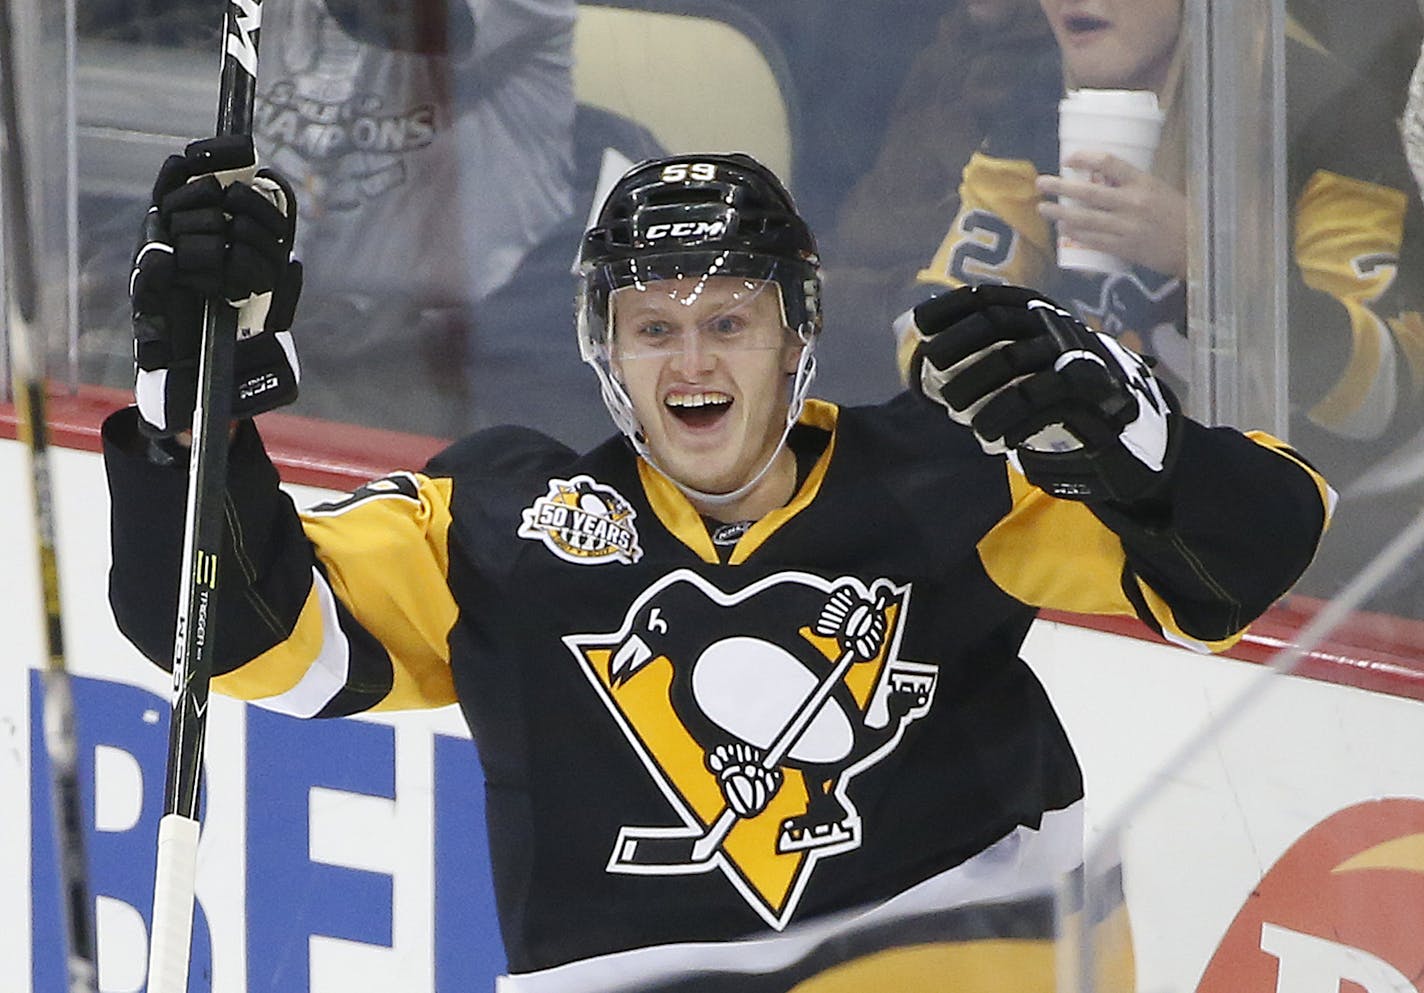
<point x="752" y="663"/>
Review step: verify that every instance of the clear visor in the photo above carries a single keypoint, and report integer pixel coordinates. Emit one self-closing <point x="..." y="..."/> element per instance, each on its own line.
<point x="682" y="316"/>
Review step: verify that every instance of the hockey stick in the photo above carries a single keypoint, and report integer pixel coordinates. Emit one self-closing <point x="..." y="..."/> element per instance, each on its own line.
<point x="60" y="734"/>
<point x="675" y="850"/>
<point x="176" y="873"/>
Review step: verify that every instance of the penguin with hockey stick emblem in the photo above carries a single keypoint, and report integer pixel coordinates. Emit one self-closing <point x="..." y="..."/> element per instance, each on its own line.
<point x="760" y="684"/>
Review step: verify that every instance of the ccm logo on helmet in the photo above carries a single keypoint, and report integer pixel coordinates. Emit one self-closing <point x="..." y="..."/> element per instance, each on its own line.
<point x="686" y="229"/>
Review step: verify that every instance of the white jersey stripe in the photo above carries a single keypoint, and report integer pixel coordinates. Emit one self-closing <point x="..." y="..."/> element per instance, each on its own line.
<point x="327" y="674"/>
<point x="1023" y="863"/>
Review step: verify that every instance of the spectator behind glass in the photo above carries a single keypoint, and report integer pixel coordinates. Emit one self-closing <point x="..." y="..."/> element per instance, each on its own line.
<point x="1357" y="340"/>
<point x="992" y="63"/>
<point x="443" y="169"/>
<point x="431" y="145"/>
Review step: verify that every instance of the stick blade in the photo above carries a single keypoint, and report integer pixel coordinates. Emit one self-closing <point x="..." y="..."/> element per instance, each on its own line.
<point x="663" y="851"/>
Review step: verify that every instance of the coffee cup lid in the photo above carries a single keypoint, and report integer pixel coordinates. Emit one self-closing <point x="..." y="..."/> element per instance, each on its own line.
<point x="1127" y="103"/>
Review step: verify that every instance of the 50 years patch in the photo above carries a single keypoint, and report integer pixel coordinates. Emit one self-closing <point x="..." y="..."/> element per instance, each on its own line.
<point x="584" y="522"/>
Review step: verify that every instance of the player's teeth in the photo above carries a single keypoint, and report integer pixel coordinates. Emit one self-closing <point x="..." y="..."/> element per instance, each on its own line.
<point x="697" y="399"/>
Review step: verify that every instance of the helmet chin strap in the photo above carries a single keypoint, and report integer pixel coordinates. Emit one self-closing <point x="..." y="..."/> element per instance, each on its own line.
<point x="719" y="499"/>
<point x="805" y="372"/>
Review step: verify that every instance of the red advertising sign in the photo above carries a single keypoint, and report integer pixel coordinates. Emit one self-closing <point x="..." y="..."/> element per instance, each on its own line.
<point x="1341" y="910"/>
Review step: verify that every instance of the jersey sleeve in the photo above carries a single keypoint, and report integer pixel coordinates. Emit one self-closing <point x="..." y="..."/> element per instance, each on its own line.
<point x="1356" y="333"/>
<point x="1241" y="521"/>
<point x="1358" y="342"/>
<point x="341" y="609"/>
<point x="998" y="235"/>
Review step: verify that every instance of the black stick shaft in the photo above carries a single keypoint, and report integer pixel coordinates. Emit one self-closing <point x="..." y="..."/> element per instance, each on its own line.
<point x="194" y="638"/>
<point x="27" y="364"/>
<point x="207" y="467"/>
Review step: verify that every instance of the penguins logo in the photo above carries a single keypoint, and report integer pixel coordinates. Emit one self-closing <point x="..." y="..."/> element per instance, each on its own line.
<point x="583" y="522"/>
<point x="754" y="712"/>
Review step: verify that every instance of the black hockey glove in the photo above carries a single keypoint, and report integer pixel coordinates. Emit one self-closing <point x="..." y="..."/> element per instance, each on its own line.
<point x="221" y="229"/>
<point x="1081" y="415"/>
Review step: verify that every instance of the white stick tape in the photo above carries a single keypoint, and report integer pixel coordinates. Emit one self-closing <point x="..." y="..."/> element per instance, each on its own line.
<point x="173" y="884"/>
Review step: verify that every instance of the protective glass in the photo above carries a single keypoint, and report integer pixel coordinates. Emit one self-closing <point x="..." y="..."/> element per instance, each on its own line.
<point x="681" y="316"/>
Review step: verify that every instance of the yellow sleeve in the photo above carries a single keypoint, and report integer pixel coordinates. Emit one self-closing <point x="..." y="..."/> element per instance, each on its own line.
<point x="1347" y="241"/>
<point x="998" y="236"/>
<point x="1219" y="567"/>
<point x="373" y="632"/>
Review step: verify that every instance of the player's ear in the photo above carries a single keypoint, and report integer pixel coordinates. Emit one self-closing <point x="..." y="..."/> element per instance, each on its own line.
<point x="790" y="352"/>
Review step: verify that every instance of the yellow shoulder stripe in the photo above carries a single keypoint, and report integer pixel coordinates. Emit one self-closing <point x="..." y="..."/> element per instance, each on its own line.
<point x="676" y="512"/>
<point x="681" y="519"/>
<point x="817" y="413"/>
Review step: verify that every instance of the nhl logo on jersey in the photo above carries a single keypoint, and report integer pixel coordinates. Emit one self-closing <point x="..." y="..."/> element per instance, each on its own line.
<point x="754" y="712"/>
<point x="584" y="522"/>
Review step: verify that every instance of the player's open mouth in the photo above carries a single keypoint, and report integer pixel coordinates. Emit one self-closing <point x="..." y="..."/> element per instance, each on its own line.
<point x="1082" y="24"/>
<point x="698" y="410"/>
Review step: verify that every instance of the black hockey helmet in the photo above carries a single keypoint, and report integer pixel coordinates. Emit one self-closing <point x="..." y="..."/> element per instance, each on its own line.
<point x="696" y="216"/>
<point x="691" y="217"/>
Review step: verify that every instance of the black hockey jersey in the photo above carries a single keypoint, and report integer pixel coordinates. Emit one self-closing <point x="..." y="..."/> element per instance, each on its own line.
<point x="681" y="749"/>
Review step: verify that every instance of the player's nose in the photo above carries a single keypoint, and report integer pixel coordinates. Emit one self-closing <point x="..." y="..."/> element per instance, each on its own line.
<point x="695" y="356"/>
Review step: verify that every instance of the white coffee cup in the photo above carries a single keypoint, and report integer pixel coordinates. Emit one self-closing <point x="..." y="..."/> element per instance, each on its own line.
<point x="1125" y="123"/>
